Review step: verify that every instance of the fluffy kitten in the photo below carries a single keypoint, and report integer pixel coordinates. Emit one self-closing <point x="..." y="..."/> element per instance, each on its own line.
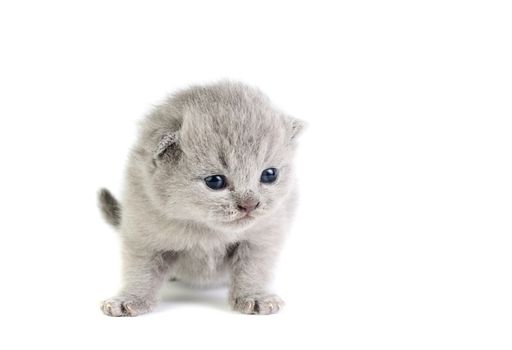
<point x="209" y="193"/>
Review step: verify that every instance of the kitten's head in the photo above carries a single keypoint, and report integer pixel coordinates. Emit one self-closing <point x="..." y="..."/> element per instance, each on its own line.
<point x="227" y="160"/>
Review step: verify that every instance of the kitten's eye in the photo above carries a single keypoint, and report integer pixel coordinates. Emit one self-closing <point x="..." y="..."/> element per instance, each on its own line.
<point x="269" y="175"/>
<point x="215" y="182"/>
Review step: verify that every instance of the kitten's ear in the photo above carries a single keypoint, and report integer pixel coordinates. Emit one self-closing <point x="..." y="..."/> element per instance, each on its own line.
<point x="167" y="147"/>
<point x="296" y="127"/>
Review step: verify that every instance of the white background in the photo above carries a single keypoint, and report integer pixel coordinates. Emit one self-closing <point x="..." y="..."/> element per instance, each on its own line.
<point x="403" y="237"/>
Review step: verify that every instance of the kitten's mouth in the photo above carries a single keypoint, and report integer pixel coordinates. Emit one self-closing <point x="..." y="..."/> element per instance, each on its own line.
<point x="240" y="221"/>
<point x="245" y="218"/>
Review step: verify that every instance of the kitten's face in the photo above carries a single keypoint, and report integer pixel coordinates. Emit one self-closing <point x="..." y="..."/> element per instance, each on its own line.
<point x="229" y="167"/>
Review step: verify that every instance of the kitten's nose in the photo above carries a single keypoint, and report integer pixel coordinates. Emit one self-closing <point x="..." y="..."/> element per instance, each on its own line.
<point x="248" y="205"/>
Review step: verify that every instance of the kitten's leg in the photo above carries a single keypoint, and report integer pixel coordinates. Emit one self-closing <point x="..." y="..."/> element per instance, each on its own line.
<point x="143" y="276"/>
<point x="251" y="273"/>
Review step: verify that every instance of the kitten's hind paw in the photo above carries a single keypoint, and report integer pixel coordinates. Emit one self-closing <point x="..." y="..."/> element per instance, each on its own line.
<point x="125" y="306"/>
<point x="258" y="304"/>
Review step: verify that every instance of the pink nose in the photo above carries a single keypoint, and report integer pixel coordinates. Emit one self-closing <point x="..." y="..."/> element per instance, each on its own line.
<point x="248" y="205"/>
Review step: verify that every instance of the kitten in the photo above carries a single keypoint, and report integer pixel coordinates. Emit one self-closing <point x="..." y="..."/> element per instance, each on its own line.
<point x="210" y="191"/>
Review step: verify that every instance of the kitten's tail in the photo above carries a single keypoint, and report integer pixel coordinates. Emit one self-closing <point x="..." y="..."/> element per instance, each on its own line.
<point x="110" y="207"/>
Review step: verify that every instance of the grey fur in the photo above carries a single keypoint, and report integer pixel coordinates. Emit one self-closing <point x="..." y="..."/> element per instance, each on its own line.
<point x="110" y="207"/>
<point x="174" y="227"/>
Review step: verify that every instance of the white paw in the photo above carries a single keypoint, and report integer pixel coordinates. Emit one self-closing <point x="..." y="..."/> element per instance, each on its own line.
<point x="126" y="306"/>
<point x="258" y="304"/>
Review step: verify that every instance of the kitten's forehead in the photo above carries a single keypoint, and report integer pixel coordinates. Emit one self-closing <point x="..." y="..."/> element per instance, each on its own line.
<point x="233" y="129"/>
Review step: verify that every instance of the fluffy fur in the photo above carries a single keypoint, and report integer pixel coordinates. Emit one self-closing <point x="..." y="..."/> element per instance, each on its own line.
<point x="174" y="227"/>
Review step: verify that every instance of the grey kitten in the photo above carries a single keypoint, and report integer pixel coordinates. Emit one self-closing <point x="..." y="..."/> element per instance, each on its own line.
<point x="210" y="191"/>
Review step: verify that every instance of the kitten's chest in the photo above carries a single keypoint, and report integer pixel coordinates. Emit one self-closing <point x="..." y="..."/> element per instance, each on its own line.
<point x="201" y="266"/>
<point x="198" y="240"/>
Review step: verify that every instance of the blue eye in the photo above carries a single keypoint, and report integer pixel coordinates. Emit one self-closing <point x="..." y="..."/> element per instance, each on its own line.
<point x="215" y="182"/>
<point x="269" y="175"/>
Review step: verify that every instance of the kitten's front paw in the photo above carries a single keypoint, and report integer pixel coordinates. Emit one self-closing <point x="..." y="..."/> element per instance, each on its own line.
<point x="257" y="304"/>
<point x="126" y="306"/>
